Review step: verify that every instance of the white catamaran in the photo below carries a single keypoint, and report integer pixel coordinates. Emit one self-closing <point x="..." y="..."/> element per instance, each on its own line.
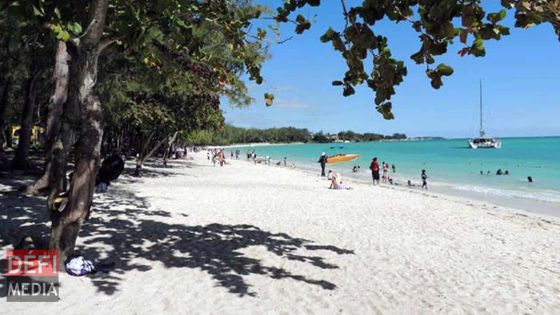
<point x="484" y="142"/>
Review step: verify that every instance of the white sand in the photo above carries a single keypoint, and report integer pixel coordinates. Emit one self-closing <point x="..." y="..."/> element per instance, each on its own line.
<point x="263" y="239"/>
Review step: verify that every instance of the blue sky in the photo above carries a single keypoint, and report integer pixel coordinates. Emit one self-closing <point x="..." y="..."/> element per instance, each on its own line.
<point x="520" y="73"/>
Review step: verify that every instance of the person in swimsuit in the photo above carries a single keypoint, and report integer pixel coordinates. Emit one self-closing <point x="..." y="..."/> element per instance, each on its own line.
<point x="385" y="172"/>
<point x="424" y="180"/>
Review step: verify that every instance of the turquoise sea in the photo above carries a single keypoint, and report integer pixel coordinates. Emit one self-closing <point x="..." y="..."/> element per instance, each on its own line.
<point x="449" y="163"/>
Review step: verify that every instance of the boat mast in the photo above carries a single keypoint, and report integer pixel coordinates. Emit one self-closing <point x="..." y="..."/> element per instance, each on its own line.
<point x="481" y="130"/>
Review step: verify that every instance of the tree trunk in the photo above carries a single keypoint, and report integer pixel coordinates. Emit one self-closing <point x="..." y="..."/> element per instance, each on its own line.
<point x="21" y="158"/>
<point x="8" y="135"/>
<point x="66" y="224"/>
<point x="168" y="147"/>
<point x="3" y="107"/>
<point x="55" y="155"/>
<point x="141" y="155"/>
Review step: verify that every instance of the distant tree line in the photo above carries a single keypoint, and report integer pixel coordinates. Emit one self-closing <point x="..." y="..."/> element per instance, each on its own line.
<point x="231" y="135"/>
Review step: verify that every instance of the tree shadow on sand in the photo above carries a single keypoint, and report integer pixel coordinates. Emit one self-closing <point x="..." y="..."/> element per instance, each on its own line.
<point x="125" y="229"/>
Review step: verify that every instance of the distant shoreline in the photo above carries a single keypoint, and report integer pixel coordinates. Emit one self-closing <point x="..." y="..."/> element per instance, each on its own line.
<point x="538" y="201"/>
<point x="255" y="144"/>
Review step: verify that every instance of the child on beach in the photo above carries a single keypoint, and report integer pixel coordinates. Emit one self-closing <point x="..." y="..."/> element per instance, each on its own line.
<point x="424" y="180"/>
<point x="385" y="172"/>
<point x="331" y="176"/>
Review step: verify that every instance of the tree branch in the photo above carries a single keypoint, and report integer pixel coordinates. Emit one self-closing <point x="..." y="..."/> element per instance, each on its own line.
<point x="107" y="42"/>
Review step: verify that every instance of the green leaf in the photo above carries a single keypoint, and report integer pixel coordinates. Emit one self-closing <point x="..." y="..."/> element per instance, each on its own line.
<point x="328" y="36"/>
<point x="348" y="90"/>
<point x="444" y="69"/>
<point x="75" y="28"/>
<point x="37" y="12"/>
<point x="268" y="99"/>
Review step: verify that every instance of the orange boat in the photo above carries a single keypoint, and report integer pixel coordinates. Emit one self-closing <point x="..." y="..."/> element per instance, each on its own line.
<point x="342" y="158"/>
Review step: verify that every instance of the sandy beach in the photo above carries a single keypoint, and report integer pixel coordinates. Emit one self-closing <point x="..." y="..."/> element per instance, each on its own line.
<point x="245" y="238"/>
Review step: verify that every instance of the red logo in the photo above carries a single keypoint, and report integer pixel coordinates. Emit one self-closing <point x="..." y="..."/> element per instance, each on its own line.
<point x="34" y="263"/>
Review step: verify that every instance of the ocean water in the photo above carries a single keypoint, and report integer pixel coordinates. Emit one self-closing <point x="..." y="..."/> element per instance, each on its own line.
<point x="448" y="163"/>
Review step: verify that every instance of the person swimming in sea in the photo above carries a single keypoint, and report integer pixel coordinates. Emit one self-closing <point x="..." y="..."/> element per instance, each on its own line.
<point x="529" y="179"/>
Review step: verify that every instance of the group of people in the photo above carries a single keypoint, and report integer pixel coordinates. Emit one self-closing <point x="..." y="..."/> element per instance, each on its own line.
<point x="375" y="172"/>
<point x="378" y="173"/>
<point x="235" y="154"/>
<point x="386" y="178"/>
<point x="218" y="156"/>
<point x="499" y="172"/>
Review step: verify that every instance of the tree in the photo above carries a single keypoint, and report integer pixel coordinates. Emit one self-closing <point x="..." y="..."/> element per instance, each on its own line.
<point x="147" y="30"/>
<point x="438" y="24"/>
<point x="320" y="137"/>
<point x="171" y="38"/>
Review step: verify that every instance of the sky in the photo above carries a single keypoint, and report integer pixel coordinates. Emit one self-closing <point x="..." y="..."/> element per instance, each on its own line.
<point x="520" y="76"/>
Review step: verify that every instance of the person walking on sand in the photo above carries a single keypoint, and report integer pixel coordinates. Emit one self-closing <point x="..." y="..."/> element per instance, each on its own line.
<point x="323" y="162"/>
<point x="374" y="167"/>
<point x="222" y="158"/>
<point x="424" y="180"/>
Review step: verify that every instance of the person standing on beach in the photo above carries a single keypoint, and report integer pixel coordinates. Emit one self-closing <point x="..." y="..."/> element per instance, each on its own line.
<point x="385" y="172"/>
<point x="285" y="161"/>
<point x="374" y="167"/>
<point x="323" y="162"/>
<point x="424" y="180"/>
<point x="394" y="168"/>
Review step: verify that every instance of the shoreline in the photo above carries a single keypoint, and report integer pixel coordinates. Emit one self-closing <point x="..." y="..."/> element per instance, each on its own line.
<point x="518" y="206"/>
<point x="194" y="238"/>
<point x="519" y="199"/>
